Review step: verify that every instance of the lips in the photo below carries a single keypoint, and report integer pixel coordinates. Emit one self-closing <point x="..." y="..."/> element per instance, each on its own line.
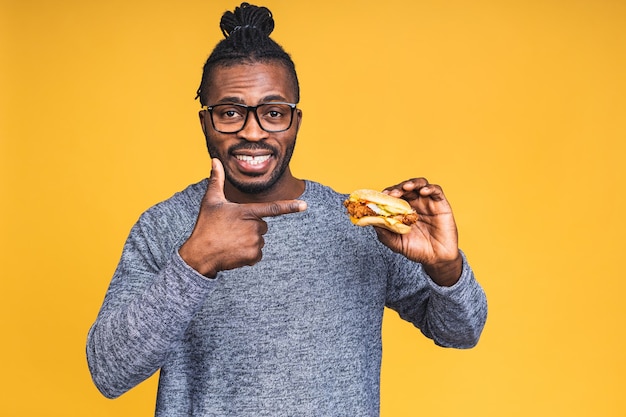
<point x="253" y="159"/>
<point x="253" y="163"/>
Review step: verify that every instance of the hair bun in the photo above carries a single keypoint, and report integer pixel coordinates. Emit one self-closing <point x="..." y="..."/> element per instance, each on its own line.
<point x="247" y="16"/>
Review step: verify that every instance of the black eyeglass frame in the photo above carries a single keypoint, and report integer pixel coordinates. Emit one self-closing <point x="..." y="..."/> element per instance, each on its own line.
<point x="252" y="109"/>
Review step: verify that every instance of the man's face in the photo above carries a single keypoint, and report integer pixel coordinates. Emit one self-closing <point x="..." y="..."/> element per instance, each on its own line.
<point x="254" y="160"/>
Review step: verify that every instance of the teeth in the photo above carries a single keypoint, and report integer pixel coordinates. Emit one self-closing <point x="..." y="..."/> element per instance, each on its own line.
<point x="253" y="160"/>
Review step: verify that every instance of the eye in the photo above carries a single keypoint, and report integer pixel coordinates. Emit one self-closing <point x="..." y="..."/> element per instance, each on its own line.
<point x="229" y="112"/>
<point x="274" y="111"/>
<point x="274" y="114"/>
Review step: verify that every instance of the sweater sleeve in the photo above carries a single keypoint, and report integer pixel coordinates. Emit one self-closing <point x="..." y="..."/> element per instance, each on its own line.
<point x="151" y="300"/>
<point x="451" y="316"/>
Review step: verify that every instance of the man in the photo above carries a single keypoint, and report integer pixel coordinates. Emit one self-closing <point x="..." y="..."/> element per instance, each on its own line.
<point x="251" y="291"/>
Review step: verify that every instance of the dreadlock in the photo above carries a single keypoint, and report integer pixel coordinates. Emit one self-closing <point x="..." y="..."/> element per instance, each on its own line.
<point x="246" y="32"/>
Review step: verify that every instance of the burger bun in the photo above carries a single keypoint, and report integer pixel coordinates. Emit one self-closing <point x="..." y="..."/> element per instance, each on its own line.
<point x="396" y="227"/>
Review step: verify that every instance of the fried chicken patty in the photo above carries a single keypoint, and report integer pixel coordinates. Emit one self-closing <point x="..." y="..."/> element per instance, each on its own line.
<point x="358" y="209"/>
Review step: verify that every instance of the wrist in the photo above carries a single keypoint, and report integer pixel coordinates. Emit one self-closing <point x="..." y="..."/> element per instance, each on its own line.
<point x="445" y="273"/>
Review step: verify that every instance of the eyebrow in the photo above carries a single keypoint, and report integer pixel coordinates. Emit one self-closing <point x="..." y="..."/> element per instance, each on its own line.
<point x="239" y="100"/>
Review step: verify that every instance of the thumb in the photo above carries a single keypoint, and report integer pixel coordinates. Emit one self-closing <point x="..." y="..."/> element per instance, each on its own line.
<point x="215" y="189"/>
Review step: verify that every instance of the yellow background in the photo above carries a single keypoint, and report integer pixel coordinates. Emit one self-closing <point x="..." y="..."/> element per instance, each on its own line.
<point x="517" y="108"/>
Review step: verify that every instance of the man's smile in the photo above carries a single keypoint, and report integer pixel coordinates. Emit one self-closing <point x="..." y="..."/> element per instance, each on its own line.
<point x="257" y="162"/>
<point x="253" y="159"/>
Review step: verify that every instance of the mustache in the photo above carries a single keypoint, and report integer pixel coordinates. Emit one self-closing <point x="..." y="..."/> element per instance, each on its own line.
<point x="253" y="147"/>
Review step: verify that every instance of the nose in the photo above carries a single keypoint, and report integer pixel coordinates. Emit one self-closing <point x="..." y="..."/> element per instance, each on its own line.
<point x="252" y="131"/>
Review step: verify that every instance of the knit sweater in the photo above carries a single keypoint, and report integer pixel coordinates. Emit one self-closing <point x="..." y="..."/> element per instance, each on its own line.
<point x="297" y="334"/>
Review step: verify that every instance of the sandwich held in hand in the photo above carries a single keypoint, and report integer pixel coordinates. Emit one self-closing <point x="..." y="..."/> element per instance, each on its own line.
<point x="373" y="208"/>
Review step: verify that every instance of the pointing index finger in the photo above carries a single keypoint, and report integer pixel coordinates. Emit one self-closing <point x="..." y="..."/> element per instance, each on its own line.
<point x="276" y="208"/>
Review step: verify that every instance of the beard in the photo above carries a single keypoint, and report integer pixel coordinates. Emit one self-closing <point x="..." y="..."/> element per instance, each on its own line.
<point x="258" y="186"/>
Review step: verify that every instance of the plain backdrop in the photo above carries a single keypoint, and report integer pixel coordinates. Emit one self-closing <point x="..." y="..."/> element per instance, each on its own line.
<point x="517" y="108"/>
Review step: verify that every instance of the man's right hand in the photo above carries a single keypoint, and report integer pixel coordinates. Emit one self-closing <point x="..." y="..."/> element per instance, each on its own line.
<point x="229" y="235"/>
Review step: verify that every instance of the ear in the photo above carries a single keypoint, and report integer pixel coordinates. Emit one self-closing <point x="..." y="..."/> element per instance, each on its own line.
<point x="298" y="119"/>
<point x="203" y="115"/>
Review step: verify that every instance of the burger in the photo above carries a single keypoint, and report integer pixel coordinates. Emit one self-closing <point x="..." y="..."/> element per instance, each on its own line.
<point x="373" y="208"/>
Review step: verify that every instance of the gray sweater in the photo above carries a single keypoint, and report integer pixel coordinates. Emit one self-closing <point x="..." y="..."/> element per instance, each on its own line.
<point x="297" y="334"/>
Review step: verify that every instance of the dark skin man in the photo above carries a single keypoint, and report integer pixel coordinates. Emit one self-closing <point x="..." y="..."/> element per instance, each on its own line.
<point x="251" y="179"/>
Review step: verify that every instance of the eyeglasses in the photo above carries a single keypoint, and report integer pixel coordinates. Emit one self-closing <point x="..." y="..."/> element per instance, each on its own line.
<point x="232" y="117"/>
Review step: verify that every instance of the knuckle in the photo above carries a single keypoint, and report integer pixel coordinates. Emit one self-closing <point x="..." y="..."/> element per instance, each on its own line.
<point x="254" y="256"/>
<point x="275" y="209"/>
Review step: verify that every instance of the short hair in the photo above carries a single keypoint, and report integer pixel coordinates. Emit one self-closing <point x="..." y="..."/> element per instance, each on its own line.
<point x="247" y="40"/>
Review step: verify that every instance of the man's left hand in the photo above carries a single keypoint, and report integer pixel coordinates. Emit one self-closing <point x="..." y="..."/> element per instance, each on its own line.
<point x="433" y="240"/>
